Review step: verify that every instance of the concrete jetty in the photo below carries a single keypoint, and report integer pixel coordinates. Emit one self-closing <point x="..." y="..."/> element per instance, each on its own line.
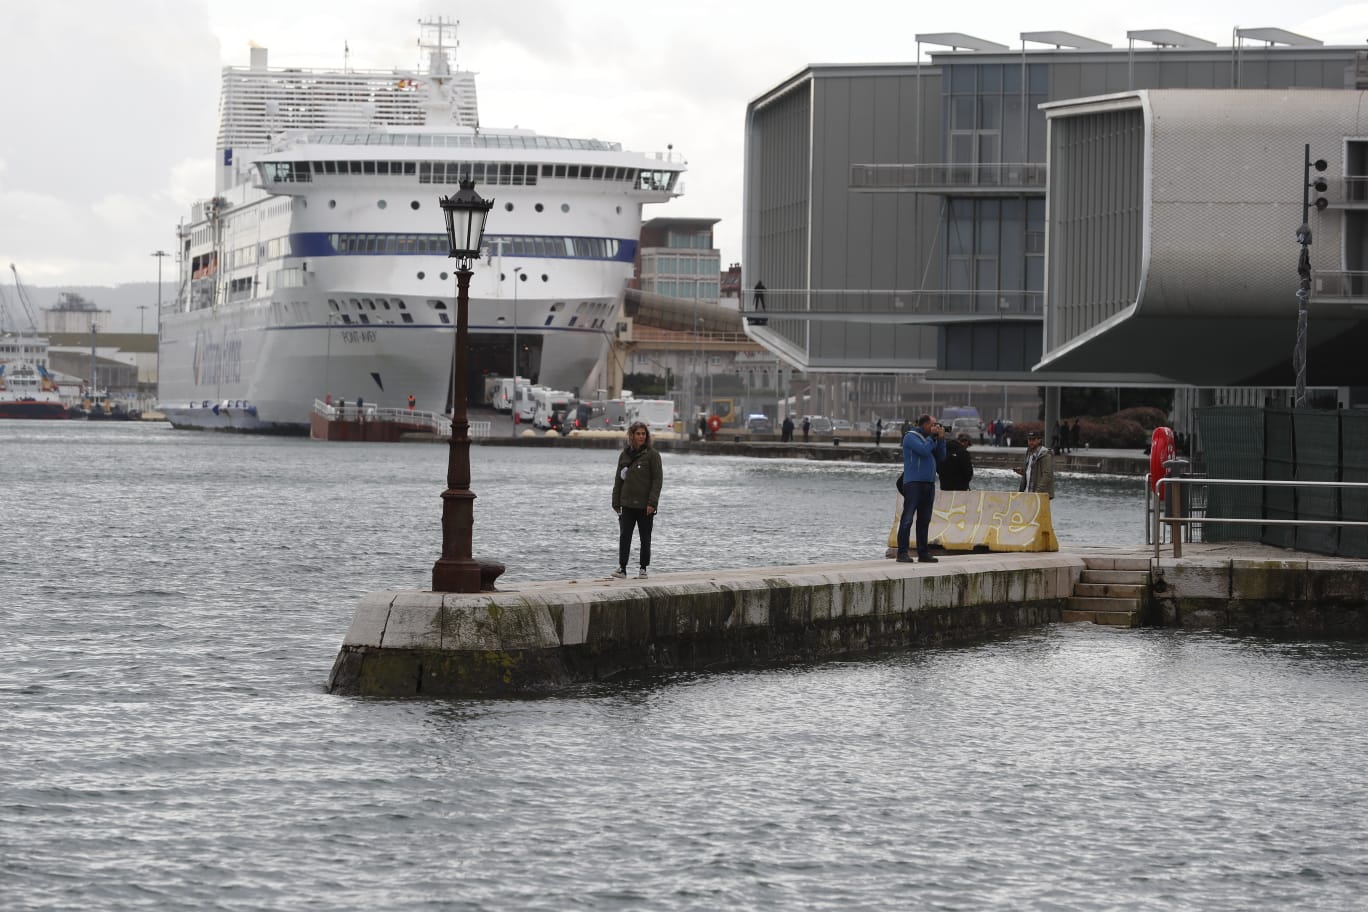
<point x="542" y="636"/>
<point x="538" y="637"/>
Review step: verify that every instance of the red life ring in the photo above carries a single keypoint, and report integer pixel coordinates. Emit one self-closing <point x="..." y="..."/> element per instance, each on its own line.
<point x="1161" y="451"/>
<point x="714" y="424"/>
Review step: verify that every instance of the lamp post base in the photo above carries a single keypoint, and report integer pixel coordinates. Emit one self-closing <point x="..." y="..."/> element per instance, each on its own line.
<point x="469" y="575"/>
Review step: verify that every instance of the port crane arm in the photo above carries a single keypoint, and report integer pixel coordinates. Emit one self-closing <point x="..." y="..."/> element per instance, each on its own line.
<point x="24" y="300"/>
<point x="4" y="313"/>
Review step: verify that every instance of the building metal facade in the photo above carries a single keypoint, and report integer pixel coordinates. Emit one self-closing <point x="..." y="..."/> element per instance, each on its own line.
<point x="897" y="214"/>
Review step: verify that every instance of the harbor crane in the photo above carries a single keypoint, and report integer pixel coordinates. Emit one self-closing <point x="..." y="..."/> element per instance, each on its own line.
<point x="24" y="301"/>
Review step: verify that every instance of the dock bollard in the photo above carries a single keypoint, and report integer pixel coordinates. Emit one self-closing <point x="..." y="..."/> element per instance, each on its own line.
<point x="835" y="441"/>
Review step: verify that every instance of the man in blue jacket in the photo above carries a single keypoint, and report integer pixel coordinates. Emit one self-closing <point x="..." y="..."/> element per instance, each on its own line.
<point x="923" y="447"/>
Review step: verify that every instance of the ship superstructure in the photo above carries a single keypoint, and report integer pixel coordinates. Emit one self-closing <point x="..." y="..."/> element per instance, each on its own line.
<point x="319" y="266"/>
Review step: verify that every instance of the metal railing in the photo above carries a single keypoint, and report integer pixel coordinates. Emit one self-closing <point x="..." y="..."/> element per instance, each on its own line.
<point x="949" y="175"/>
<point x="1176" y="521"/>
<point x="895" y="303"/>
<point x="1338" y="285"/>
<point x="434" y="422"/>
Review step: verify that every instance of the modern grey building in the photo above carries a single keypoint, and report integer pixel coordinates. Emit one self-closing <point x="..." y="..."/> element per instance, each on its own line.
<point x="898" y="215"/>
<point x="1172" y="235"/>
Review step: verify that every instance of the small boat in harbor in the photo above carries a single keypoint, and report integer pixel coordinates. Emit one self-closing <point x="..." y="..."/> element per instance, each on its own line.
<point x="28" y="391"/>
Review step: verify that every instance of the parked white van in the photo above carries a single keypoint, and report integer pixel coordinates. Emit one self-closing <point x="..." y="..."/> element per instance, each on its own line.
<point x="659" y="414"/>
<point x="548" y="402"/>
<point x="506" y="393"/>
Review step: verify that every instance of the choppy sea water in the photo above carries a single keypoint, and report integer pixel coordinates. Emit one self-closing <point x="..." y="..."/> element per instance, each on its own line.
<point x="172" y="602"/>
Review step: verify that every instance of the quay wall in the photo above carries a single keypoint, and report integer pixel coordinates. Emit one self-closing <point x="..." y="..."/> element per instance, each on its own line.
<point x="1081" y="461"/>
<point x="1302" y="596"/>
<point x="405" y="643"/>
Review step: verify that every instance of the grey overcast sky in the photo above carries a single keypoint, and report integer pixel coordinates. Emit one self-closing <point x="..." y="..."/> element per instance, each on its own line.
<point x="108" y="112"/>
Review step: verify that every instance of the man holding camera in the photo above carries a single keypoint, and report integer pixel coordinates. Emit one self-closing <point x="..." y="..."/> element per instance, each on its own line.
<point x="923" y="447"/>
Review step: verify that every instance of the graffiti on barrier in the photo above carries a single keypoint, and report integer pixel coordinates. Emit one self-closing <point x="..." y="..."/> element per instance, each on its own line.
<point x="987" y="520"/>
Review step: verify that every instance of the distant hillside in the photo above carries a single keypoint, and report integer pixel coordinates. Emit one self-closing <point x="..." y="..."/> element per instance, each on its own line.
<point x="121" y="300"/>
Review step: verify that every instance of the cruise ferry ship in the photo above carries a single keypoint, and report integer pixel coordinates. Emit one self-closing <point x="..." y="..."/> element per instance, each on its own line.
<point x="319" y="267"/>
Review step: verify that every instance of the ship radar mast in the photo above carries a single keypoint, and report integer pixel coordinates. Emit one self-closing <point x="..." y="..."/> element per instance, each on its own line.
<point x="451" y="95"/>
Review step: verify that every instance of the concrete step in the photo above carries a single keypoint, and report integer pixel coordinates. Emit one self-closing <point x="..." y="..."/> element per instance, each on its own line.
<point x="1100" y="562"/>
<point x="1105" y="618"/>
<point x="1109" y="590"/>
<point x="1125" y="577"/>
<point x="1077" y="603"/>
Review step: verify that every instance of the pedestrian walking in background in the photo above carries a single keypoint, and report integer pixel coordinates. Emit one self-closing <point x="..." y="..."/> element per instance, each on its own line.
<point x="878" y="432"/>
<point x="786" y="430"/>
<point x="759" y="295"/>
<point x="636" y="494"/>
<point x="807" y="429"/>
<point x="923" y="448"/>
<point x="957" y="469"/>
<point x="1038" y="474"/>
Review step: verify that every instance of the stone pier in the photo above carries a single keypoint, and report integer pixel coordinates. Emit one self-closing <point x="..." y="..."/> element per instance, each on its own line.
<point x="542" y="636"/>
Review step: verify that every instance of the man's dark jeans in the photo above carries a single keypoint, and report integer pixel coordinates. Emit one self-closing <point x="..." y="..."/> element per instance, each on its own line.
<point x="919" y="498"/>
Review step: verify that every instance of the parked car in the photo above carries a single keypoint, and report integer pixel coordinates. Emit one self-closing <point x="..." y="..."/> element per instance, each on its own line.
<point x="840" y="425"/>
<point x="759" y="424"/>
<point x="970" y="426"/>
<point x="818" y="424"/>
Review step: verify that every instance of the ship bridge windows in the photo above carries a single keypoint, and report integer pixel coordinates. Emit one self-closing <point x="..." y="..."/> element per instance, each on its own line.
<point x="514" y="174"/>
<point x="286" y="172"/>
<point x="657" y="180"/>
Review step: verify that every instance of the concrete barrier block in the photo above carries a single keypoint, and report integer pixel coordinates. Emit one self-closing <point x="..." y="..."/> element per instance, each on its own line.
<point x="571" y="614"/>
<point x="1197" y="580"/>
<point x="750" y="605"/>
<point x="1337" y="580"/>
<point x="620" y="616"/>
<point x="857" y="598"/>
<point x="1280" y="580"/>
<point x="414" y="621"/>
<point x="986" y="588"/>
<point x="822" y="601"/>
<point x="368" y="622"/>
<point x="944" y="589"/>
<point x="507" y="622"/>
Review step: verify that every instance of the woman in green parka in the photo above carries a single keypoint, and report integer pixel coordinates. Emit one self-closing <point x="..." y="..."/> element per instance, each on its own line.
<point x="636" y="493"/>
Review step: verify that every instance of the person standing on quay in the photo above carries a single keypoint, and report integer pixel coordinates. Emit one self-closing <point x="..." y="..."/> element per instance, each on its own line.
<point x="786" y="430"/>
<point x="923" y="448"/>
<point x="1038" y="475"/>
<point x="636" y="493"/>
<point x="878" y="432"/>
<point x="957" y="470"/>
<point x="807" y="429"/>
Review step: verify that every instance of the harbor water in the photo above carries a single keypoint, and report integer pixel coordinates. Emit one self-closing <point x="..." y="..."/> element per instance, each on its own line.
<point x="172" y="603"/>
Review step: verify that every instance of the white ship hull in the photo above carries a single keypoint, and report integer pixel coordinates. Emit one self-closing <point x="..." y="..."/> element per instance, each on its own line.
<point x="237" y="370"/>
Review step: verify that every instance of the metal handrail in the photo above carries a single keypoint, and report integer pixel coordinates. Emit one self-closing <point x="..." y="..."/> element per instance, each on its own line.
<point x="1176" y="521"/>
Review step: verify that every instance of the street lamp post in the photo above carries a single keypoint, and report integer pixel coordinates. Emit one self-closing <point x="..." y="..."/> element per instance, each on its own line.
<point x="160" y="255"/>
<point x="517" y="277"/>
<point x="456" y="570"/>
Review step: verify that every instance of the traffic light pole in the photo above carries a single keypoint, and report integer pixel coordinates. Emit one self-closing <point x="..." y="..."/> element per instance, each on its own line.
<point x="1304" y="270"/>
